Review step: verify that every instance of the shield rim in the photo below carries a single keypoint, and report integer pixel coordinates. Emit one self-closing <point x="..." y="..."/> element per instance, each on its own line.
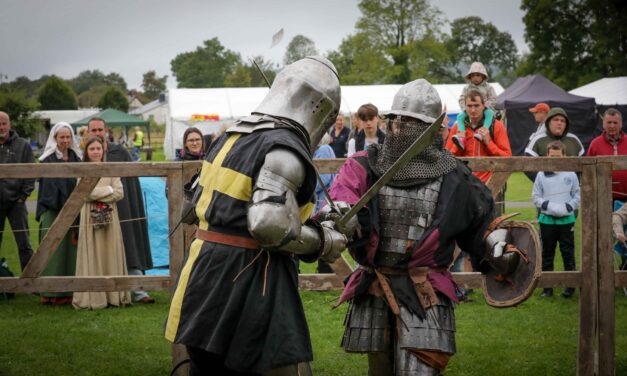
<point x="536" y="275"/>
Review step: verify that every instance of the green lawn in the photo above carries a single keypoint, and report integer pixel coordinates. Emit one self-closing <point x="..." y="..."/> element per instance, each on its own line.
<point x="518" y="188"/>
<point x="538" y="337"/>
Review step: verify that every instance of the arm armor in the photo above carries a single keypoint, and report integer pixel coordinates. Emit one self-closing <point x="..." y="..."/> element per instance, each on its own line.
<point x="499" y="260"/>
<point x="274" y="216"/>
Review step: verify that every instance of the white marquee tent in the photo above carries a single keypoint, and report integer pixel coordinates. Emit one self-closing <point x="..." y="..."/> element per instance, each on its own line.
<point x="606" y="91"/>
<point x="211" y="109"/>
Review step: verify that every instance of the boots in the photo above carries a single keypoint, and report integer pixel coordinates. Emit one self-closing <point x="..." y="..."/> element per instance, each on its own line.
<point x="459" y="140"/>
<point x="547" y="293"/>
<point x="568" y="292"/>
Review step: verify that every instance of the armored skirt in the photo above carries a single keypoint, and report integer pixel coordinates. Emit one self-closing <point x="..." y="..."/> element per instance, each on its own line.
<point x="242" y="304"/>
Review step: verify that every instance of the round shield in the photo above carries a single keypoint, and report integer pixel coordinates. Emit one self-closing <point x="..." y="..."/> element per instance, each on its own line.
<point x="517" y="287"/>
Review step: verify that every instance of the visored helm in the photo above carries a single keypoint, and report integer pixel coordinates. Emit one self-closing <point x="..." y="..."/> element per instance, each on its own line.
<point x="417" y="99"/>
<point x="306" y="92"/>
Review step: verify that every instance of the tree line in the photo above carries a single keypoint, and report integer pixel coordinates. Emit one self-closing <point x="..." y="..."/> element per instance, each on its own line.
<point x="571" y="42"/>
<point x="89" y="89"/>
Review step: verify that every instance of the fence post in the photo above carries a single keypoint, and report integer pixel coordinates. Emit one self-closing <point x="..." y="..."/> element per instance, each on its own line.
<point x="175" y="200"/>
<point x="605" y="269"/>
<point x="588" y="293"/>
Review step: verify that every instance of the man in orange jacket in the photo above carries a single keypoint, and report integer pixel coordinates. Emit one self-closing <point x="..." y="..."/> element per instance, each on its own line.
<point x="480" y="142"/>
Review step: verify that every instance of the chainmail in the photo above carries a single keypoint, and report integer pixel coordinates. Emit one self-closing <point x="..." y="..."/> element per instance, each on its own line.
<point x="433" y="162"/>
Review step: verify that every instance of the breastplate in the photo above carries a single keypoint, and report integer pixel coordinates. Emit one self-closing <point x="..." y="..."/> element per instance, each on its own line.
<point x="404" y="215"/>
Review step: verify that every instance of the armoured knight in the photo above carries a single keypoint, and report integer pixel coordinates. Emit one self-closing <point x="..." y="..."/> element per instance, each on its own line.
<point x="236" y="306"/>
<point x="402" y="294"/>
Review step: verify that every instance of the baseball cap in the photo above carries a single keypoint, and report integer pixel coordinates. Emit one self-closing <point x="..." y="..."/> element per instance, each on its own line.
<point x="540" y="107"/>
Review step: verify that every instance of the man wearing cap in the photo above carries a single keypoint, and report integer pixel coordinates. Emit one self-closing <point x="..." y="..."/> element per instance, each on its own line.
<point x="539" y="112"/>
<point x="612" y="142"/>
<point x="402" y="294"/>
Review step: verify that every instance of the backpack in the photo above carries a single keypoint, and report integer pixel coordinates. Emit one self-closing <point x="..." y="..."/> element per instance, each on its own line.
<point x="5" y="272"/>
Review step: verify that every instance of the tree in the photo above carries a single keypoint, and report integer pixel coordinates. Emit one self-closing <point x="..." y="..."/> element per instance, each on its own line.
<point x="86" y="80"/>
<point x="393" y="25"/>
<point x="208" y="66"/>
<point x="113" y="98"/>
<point x="240" y="77"/>
<point x="575" y="42"/>
<point x="267" y="67"/>
<point x="358" y="61"/>
<point x="299" y="47"/>
<point x="20" y="109"/>
<point x="153" y="85"/>
<point x="430" y="58"/>
<point x="115" y="80"/>
<point x="89" y="79"/>
<point x="474" y="40"/>
<point x="90" y="98"/>
<point x="25" y="85"/>
<point x="56" y="94"/>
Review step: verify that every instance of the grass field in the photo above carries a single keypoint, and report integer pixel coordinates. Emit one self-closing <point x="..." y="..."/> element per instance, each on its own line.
<point x="538" y="337"/>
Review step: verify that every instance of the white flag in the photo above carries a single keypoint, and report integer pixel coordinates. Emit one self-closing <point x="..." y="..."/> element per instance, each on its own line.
<point x="276" y="38"/>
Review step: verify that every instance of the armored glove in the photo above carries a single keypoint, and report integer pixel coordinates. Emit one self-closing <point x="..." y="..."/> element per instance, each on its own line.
<point x="334" y="214"/>
<point x="500" y="254"/>
<point x="334" y="242"/>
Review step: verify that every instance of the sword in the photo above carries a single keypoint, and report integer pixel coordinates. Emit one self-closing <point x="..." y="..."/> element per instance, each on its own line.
<point x="421" y="143"/>
<point x="325" y="192"/>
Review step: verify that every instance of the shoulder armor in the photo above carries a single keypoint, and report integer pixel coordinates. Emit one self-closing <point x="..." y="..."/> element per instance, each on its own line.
<point x="252" y="123"/>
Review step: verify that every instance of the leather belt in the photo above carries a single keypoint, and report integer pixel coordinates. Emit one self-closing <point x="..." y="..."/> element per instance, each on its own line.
<point x="226" y="239"/>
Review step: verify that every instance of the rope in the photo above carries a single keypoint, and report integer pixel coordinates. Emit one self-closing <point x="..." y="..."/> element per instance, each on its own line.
<point x="93" y="224"/>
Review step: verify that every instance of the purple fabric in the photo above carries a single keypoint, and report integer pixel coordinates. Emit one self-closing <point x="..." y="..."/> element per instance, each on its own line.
<point x="423" y="256"/>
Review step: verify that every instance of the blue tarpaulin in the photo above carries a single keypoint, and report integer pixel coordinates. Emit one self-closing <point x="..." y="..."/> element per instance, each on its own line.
<point x="156" y="205"/>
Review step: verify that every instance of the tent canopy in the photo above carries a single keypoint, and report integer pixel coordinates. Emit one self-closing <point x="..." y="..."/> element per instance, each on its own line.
<point x="114" y="118"/>
<point x="526" y="92"/>
<point x="606" y="91"/>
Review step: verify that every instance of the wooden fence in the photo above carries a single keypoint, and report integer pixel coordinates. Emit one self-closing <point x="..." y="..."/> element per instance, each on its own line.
<point x="597" y="278"/>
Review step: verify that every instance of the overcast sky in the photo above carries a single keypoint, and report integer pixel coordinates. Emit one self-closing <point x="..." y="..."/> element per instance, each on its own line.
<point x="130" y="37"/>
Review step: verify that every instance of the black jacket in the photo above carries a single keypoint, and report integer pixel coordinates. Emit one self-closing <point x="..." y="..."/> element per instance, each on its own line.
<point x="15" y="150"/>
<point x="54" y="192"/>
<point x="360" y="139"/>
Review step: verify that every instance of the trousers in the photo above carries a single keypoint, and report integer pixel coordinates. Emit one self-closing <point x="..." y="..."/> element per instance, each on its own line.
<point x="18" y="219"/>
<point x="565" y="236"/>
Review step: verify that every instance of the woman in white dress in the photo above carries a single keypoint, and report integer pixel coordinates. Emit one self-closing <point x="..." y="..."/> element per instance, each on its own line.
<point x="100" y="245"/>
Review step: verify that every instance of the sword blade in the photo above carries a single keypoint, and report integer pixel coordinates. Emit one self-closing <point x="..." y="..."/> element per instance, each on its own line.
<point x="325" y="192"/>
<point x="421" y="143"/>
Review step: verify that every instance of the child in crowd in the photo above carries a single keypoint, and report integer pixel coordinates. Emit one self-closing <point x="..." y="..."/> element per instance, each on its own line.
<point x="556" y="195"/>
<point x="477" y="79"/>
